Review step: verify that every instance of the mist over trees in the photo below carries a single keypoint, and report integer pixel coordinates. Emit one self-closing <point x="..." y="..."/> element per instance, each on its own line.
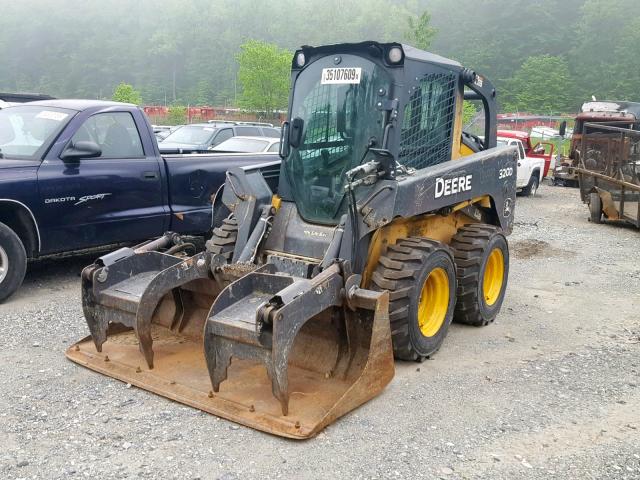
<point x="546" y="56"/>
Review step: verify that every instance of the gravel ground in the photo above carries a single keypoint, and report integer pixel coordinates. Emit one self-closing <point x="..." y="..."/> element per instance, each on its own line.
<point x="551" y="390"/>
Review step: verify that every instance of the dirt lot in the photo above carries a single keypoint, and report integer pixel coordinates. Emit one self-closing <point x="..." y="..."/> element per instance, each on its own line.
<point x="551" y="390"/>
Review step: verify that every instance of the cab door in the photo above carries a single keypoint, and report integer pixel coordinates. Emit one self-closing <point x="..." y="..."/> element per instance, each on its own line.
<point x="524" y="169"/>
<point x="115" y="197"/>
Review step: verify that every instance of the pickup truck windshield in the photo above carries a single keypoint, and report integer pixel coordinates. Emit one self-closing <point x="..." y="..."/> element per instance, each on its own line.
<point x="191" y="135"/>
<point x="27" y="131"/>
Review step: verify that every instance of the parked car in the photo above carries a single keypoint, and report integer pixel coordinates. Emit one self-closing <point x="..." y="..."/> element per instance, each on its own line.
<point x="248" y="145"/>
<point x="530" y="169"/>
<point x="544" y="150"/>
<point x="163" y="131"/>
<point x="202" y="137"/>
<point x="79" y="174"/>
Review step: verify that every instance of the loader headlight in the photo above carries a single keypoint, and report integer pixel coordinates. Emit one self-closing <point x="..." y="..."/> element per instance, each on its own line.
<point x="300" y="59"/>
<point x="394" y="55"/>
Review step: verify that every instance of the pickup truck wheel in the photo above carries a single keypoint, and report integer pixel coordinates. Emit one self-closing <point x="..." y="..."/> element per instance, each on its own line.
<point x="532" y="187"/>
<point x="595" y="207"/>
<point x="13" y="262"/>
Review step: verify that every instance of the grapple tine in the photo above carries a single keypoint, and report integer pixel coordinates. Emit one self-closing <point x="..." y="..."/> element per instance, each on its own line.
<point x="98" y="325"/>
<point x="247" y="322"/>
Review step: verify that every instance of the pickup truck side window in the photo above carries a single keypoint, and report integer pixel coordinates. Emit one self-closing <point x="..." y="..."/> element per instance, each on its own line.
<point x="115" y="132"/>
<point x="224" y="134"/>
<point x="521" y="149"/>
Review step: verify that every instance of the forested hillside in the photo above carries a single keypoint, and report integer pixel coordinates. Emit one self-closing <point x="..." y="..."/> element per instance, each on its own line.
<point x="546" y="55"/>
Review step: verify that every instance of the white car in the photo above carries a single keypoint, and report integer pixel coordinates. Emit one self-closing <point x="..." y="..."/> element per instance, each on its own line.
<point x="530" y="170"/>
<point x="242" y="144"/>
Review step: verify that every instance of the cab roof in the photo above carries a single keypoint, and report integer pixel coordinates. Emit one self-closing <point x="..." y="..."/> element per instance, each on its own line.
<point x="410" y="52"/>
<point x="79" y="104"/>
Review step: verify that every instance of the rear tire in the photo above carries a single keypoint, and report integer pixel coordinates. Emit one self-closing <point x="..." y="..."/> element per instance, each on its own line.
<point x="595" y="207"/>
<point x="420" y="276"/>
<point x="482" y="262"/>
<point x="13" y="262"/>
<point x="223" y="240"/>
<point x="532" y="187"/>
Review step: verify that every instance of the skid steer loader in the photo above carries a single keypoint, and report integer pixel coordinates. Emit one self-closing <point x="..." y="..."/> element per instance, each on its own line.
<point x="388" y="222"/>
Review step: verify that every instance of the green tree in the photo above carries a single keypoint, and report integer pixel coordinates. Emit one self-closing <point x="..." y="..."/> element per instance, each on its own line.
<point x="468" y="112"/>
<point x="127" y="94"/>
<point x="263" y="74"/>
<point x="177" y="115"/>
<point x="541" y="85"/>
<point x="420" y="33"/>
<point x="605" y="60"/>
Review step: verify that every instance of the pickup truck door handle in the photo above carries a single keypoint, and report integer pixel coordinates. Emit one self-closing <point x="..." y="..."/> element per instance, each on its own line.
<point x="150" y="175"/>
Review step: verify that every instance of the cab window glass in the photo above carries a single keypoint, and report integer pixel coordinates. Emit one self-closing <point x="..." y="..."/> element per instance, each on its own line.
<point x="114" y="132"/>
<point x="427" y="124"/>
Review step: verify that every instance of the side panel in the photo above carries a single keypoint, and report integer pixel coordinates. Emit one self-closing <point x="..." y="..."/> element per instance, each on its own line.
<point x="439" y="189"/>
<point x="435" y="227"/>
<point x="193" y="182"/>
<point x="100" y="201"/>
<point x="19" y="193"/>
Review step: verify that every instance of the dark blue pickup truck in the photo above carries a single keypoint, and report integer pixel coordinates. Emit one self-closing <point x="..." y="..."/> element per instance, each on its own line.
<point x="80" y="174"/>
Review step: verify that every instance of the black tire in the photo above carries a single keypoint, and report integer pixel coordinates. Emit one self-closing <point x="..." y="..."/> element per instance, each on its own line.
<point x="595" y="207"/>
<point x="472" y="246"/>
<point x="13" y="262"/>
<point x="223" y="240"/>
<point x="404" y="270"/>
<point x="532" y="187"/>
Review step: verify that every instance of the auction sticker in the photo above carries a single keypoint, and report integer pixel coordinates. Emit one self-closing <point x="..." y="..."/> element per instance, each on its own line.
<point x="49" y="115"/>
<point x="341" y="75"/>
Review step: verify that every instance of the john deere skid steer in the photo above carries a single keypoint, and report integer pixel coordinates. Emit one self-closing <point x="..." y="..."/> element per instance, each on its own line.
<point x="388" y="223"/>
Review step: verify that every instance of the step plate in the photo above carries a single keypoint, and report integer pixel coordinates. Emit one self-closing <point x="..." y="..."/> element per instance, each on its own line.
<point x="180" y="374"/>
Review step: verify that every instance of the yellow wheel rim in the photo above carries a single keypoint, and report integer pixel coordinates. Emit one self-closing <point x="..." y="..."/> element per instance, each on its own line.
<point x="493" y="277"/>
<point x="434" y="302"/>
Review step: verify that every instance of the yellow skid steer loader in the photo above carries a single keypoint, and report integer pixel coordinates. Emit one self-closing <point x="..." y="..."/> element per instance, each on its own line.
<point x="387" y="223"/>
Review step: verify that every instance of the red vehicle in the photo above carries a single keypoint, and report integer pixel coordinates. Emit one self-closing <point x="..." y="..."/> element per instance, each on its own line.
<point x="539" y="150"/>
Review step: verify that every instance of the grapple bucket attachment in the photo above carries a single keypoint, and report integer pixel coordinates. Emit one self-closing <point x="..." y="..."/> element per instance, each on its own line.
<point x="281" y="354"/>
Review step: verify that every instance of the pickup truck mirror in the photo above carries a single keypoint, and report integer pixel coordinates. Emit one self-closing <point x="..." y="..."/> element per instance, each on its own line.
<point x="82" y="149"/>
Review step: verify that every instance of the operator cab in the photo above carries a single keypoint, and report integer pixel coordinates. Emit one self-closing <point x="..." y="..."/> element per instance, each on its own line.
<point x="374" y="110"/>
